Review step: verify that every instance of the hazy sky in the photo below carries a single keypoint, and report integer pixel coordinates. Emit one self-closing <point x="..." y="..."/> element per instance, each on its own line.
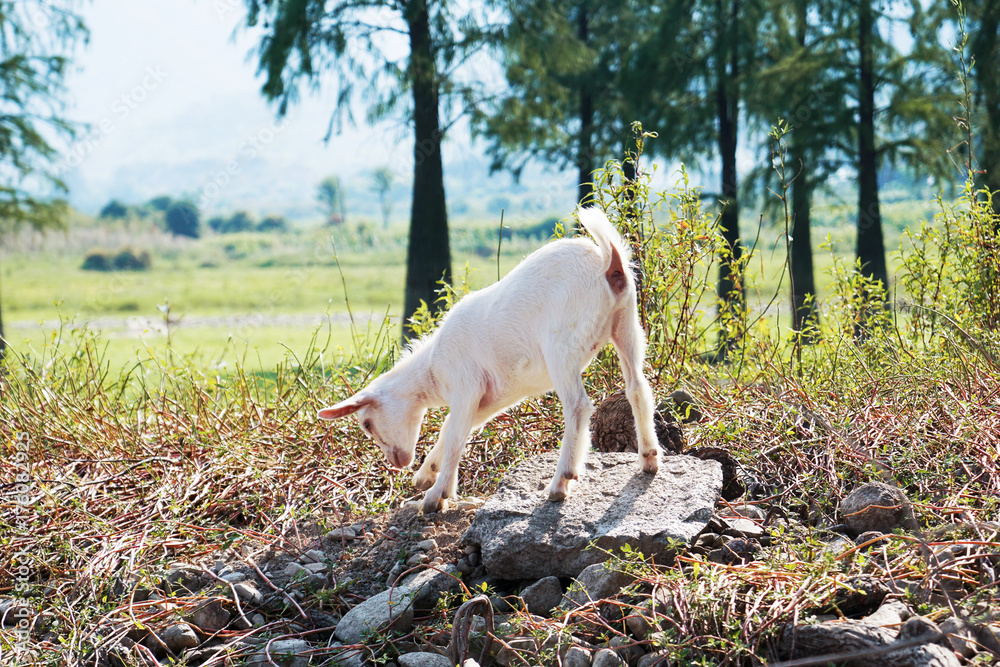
<point x="173" y="106"/>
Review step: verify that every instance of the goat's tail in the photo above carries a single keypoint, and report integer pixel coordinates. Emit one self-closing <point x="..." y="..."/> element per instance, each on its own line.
<point x="614" y="250"/>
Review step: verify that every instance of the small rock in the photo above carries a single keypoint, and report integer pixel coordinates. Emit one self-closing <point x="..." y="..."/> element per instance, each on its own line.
<point x="542" y="596"/>
<point x="315" y="567"/>
<point x="248" y="593"/>
<point x="877" y="506"/>
<point x="471" y="549"/>
<point x="283" y="652"/>
<point x="233" y="577"/>
<point x="607" y="658"/>
<point x="517" y="651"/>
<point x="464" y="566"/>
<point x="918" y="626"/>
<point x="576" y="656"/>
<point x="869" y="536"/>
<point x="742" y="510"/>
<point x="638" y="624"/>
<point x="417" y="559"/>
<point x="597" y="582"/>
<point x="475" y="558"/>
<point x="314" y="556"/>
<point x="467" y="504"/>
<point x="182" y="577"/>
<point x="258" y="620"/>
<point x="391" y="608"/>
<point x="210" y="616"/>
<point x="293" y="569"/>
<point x="423" y="659"/>
<point x="428" y="585"/>
<point x="346" y="534"/>
<point x="179" y="636"/>
<point x="740" y="527"/>
<point x="469" y="662"/>
<point x="860" y="595"/>
<point x="988" y="636"/>
<point x="426" y="545"/>
<point x="657" y="658"/>
<point x="394" y="573"/>
<point x="960" y="636"/>
<point x="736" y="551"/>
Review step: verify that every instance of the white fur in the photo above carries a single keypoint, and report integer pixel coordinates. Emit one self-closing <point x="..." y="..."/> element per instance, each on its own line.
<point x="536" y="329"/>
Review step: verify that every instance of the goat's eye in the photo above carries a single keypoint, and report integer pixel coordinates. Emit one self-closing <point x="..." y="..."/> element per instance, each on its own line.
<point x="367" y="425"/>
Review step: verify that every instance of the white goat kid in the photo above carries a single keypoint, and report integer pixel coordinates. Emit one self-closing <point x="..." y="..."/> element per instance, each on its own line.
<point x="536" y="329"/>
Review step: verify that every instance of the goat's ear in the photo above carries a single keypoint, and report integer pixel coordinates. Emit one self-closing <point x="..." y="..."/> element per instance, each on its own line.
<point x="346" y="407"/>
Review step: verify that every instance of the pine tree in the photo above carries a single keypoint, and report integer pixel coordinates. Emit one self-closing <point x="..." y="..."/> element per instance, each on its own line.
<point x="305" y="40"/>
<point x="37" y="39"/>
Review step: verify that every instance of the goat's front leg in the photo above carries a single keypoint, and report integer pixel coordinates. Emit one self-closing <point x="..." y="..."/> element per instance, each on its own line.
<point x="427" y="474"/>
<point x="629" y="342"/>
<point x="577" y="409"/>
<point x="451" y="446"/>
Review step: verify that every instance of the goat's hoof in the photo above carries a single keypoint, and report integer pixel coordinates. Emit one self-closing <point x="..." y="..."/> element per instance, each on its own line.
<point x="431" y="505"/>
<point x="557" y="496"/>
<point x="651" y="464"/>
<point x="423" y="482"/>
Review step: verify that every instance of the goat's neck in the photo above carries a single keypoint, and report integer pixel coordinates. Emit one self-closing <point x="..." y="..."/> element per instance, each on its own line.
<point x="413" y="376"/>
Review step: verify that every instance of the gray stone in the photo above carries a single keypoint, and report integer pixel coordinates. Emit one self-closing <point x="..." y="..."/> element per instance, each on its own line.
<point x="182" y="577"/>
<point x="607" y="658"/>
<point x="346" y="534"/>
<point x="576" y="656"/>
<point x="293" y="569"/>
<point x="233" y="577"/>
<point x="313" y="568"/>
<point x="179" y="636"/>
<point x="314" y="556"/>
<point x="597" y="582"/>
<point x="417" y="559"/>
<point x="652" y="659"/>
<point x="743" y="527"/>
<point x="542" y="596"/>
<point x="248" y="592"/>
<point x="423" y="659"/>
<point x="427" y="545"/>
<point x="518" y="650"/>
<point x="960" y="636"/>
<point x="877" y="506"/>
<point x="210" y="616"/>
<point x="469" y="662"/>
<point x="428" y="585"/>
<point x="283" y="652"/>
<point x="524" y="535"/>
<point x="390" y="609"/>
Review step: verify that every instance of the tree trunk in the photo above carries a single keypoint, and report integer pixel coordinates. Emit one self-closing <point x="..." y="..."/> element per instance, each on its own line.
<point x="871" y="245"/>
<point x="585" y="150"/>
<point x="987" y="50"/>
<point x="428" y="258"/>
<point x="805" y="317"/>
<point x="730" y="289"/>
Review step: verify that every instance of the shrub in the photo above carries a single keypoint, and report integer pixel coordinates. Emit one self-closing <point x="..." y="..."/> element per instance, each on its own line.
<point x="114" y="210"/>
<point x="273" y="223"/>
<point x="98" y="260"/>
<point x="183" y="219"/>
<point x="125" y="259"/>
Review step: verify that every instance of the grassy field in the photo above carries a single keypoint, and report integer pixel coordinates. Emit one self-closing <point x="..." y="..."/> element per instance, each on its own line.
<point x="257" y="297"/>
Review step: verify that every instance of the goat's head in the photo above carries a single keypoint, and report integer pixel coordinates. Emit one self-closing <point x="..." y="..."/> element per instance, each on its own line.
<point x="393" y="422"/>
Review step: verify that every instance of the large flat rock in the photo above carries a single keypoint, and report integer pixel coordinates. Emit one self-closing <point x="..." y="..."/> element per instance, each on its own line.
<point x="524" y="535"/>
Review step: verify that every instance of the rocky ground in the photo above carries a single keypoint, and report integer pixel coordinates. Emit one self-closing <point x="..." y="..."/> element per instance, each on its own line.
<point x="413" y="590"/>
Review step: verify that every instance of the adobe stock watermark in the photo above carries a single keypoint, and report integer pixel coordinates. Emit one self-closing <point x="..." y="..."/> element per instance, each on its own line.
<point x="121" y="108"/>
<point x="248" y="150"/>
<point x="18" y="612"/>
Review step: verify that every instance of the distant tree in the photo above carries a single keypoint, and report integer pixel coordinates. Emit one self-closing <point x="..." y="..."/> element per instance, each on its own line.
<point x="114" y="210"/>
<point x="36" y="38"/>
<point x="312" y="39"/>
<point x="241" y="221"/>
<point x="161" y="203"/>
<point x="273" y="223"/>
<point x="382" y="185"/>
<point x="183" y="219"/>
<point x="564" y="103"/>
<point x="984" y="48"/>
<point x="331" y="200"/>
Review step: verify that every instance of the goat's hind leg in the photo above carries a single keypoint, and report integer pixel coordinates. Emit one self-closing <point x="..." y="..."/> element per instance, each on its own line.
<point x="630" y="343"/>
<point x="577" y="409"/>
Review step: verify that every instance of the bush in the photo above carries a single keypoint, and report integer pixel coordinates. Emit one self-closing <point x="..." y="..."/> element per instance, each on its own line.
<point x="125" y="259"/>
<point x="114" y="210"/>
<point x="183" y="219"/>
<point x="273" y="223"/>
